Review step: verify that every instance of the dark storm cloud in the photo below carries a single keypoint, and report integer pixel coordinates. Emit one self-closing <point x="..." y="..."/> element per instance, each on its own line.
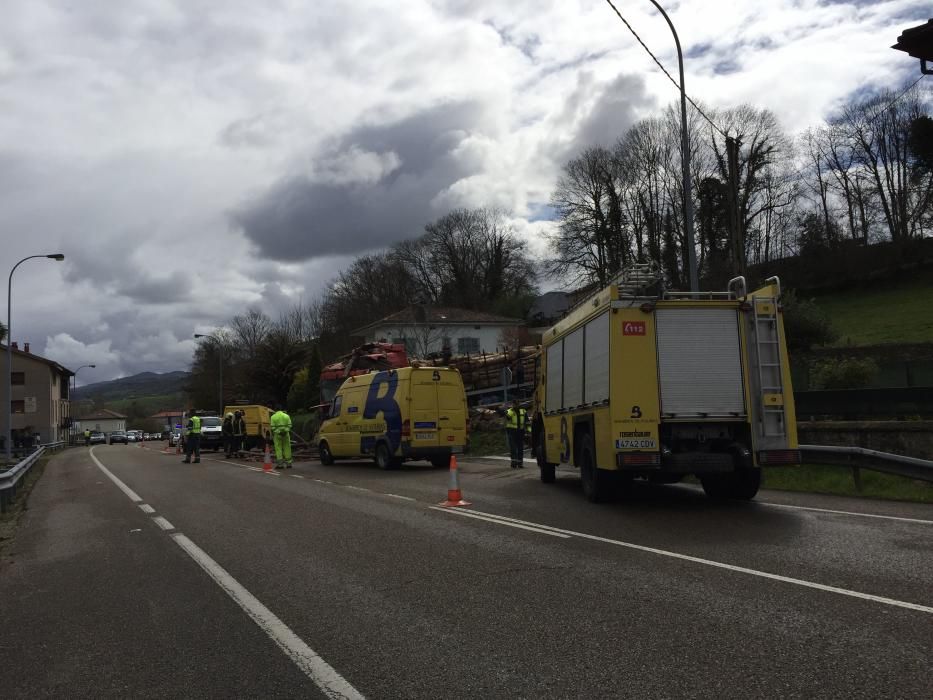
<point x="616" y="109"/>
<point x="338" y="210"/>
<point x="110" y="268"/>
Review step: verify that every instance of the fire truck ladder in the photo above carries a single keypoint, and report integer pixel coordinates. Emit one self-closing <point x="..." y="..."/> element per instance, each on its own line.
<point x="635" y="279"/>
<point x="772" y="422"/>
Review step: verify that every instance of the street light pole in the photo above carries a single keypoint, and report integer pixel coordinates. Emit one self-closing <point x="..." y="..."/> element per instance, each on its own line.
<point x="220" y="356"/>
<point x="9" y="349"/>
<point x="685" y="160"/>
<point x="74" y="382"/>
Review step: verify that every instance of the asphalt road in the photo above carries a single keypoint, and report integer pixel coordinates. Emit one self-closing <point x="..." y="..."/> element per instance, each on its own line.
<point x="346" y="581"/>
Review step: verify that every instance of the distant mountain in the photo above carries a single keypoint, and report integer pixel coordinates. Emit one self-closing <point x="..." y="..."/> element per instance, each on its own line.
<point x="142" y="385"/>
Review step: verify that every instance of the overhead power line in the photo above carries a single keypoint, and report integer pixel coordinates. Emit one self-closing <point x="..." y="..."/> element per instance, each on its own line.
<point x="898" y="98"/>
<point x="664" y="70"/>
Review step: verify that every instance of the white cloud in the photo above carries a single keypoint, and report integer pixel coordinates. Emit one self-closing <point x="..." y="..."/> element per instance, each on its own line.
<point x="137" y="137"/>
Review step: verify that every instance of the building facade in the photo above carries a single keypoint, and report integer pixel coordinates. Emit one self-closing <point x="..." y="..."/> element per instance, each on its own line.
<point x="434" y="330"/>
<point x="41" y="397"/>
<point x="103" y="420"/>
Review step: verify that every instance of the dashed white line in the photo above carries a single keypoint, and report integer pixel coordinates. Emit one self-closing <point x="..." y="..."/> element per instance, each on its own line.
<point x="848" y="512"/>
<point x="395" y="495"/>
<point x="131" y="494"/>
<point x="322" y="481"/>
<point x="163" y="523"/>
<point x="146" y="508"/>
<point x="323" y="674"/>
<point x="296" y="476"/>
<point x="706" y="562"/>
<point x="356" y="488"/>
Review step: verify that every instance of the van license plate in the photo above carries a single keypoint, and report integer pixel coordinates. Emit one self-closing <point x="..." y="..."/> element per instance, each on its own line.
<point x="424" y="436"/>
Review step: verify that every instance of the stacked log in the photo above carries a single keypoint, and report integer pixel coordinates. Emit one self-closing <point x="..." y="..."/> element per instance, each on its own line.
<point x="484" y="370"/>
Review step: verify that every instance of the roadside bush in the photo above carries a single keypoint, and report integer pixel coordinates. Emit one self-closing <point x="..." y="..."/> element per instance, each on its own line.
<point x="805" y="324"/>
<point x="846" y="373"/>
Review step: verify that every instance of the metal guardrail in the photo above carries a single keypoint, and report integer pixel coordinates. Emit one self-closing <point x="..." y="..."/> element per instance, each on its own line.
<point x="864" y="458"/>
<point x="11" y="476"/>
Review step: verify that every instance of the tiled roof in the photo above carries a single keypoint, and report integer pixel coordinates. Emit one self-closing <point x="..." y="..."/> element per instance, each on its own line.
<point x="102" y="414"/>
<point x="33" y="356"/>
<point x="168" y="414"/>
<point x="440" y="316"/>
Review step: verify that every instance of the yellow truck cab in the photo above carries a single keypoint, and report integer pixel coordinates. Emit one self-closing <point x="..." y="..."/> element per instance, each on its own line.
<point x="396" y="415"/>
<point x="639" y="382"/>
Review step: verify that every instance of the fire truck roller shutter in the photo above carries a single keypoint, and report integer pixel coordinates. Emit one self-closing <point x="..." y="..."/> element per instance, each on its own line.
<point x="699" y="362"/>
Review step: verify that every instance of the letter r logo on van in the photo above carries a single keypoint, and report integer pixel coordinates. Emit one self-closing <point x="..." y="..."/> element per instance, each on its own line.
<point x="633" y="328"/>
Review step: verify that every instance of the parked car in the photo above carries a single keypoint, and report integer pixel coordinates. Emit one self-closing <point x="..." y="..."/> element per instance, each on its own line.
<point x="98" y="438"/>
<point x="117" y="436"/>
<point x="174" y="439"/>
<point x="212" y="433"/>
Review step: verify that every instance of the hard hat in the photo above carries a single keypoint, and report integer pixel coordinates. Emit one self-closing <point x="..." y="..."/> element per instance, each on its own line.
<point x="229" y="415"/>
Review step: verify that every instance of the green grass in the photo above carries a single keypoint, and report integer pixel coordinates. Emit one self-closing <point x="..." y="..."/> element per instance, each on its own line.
<point x="488" y="442"/>
<point x="889" y="311"/>
<point x="818" y="478"/>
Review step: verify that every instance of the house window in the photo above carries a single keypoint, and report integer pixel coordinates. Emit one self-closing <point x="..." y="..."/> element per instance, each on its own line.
<point x="17" y="378"/>
<point x="18" y="406"/>
<point x="467" y="345"/>
<point x="446" y="345"/>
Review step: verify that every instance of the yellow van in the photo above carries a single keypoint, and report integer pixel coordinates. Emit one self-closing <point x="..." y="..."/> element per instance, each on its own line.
<point x="257" y="419"/>
<point x="397" y="415"/>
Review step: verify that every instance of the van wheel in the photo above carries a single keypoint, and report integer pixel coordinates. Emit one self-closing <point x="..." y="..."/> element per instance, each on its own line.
<point x="383" y="457"/>
<point x="548" y="471"/>
<point x="325" y="454"/>
<point x="594" y="482"/>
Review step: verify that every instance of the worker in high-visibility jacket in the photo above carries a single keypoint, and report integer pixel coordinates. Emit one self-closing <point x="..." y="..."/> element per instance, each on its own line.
<point x="516" y="425"/>
<point x="193" y="440"/>
<point x="281" y="425"/>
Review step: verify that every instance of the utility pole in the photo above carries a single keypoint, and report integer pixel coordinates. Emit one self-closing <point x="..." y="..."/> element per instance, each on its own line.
<point x="736" y="234"/>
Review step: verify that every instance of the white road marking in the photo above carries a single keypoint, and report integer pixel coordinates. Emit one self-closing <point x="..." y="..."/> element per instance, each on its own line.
<point x="716" y="564"/>
<point x="322" y="481"/>
<point x="331" y="683"/>
<point x="254" y="469"/>
<point x="356" y="488"/>
<point x="848" y="512"/>
<point x="296" y="476"/>
<point x="131" y="494"/>
<point x="525" y="460"/>
<point x="163" y="523"/>
<point x="324" y="676"/>
<point x="146" y="508"/>
<point x="474" y="514"/>
<point x="395" y="495"/>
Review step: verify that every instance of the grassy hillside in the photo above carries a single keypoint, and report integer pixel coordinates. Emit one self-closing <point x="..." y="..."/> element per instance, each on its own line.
<point x="886" y="311"/>
<point x="143" y="385"/>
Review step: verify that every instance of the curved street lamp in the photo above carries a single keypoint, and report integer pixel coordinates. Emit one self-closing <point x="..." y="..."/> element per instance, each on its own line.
<point x="9" y="349"/>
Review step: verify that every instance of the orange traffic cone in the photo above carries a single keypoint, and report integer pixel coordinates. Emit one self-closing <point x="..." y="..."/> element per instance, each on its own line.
<point x="454" y="495"/>
<point x="267" y="460"/>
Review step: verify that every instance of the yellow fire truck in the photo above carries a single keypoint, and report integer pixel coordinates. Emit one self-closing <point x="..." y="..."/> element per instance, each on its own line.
<point x="639" y="382"/>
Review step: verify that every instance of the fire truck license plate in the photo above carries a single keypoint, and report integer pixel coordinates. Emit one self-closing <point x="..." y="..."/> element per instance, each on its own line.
<point x="642" y="444"/>
<point x="424" y="436"/>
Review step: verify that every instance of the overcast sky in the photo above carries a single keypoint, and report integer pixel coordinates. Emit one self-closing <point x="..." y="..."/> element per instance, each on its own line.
<point x="195" y="158"/>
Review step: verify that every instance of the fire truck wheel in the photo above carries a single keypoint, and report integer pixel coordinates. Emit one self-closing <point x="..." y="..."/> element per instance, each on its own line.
<point x="594" y="481"/>
<point x="745" y="484"/>
<point x="325" y="454"/>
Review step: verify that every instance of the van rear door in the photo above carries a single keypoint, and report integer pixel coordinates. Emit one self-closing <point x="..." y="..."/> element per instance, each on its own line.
<point x="451" y="409"/>
<point x="423" y="415"/>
